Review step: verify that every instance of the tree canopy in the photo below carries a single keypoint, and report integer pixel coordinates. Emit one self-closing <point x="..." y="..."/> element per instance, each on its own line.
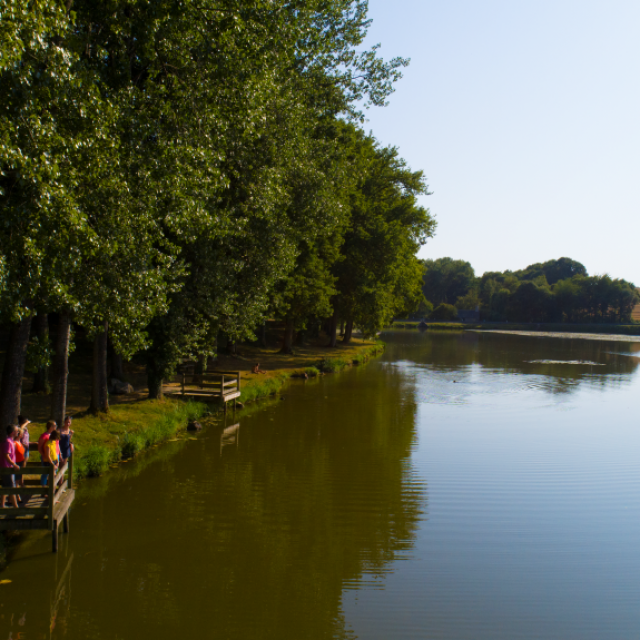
<point x="170" y="171"/>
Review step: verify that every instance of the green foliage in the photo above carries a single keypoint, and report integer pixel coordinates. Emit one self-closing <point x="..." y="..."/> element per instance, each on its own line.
<point x="379" y="275"/>
<point x="263" y="388"/>
<point x="444" y="311"/>
<point x="469" y="301"/>
<point x="552" y="270"/>
<point x="94" y="461"/>
<point x="38" y="355"/>
<point x="446" y="280"/>
<point x="446" y="326"/>
<point x="312" y="372"/>
<point x="333" y="365"/>
<point x="97" y="457"/>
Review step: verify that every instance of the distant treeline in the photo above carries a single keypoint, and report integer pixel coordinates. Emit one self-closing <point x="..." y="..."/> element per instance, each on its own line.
<point x="554" y="291"/>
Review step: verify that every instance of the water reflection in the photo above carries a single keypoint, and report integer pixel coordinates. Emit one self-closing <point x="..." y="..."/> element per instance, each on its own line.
<point x="239" y="538"/>
<point x="474" y="364"/>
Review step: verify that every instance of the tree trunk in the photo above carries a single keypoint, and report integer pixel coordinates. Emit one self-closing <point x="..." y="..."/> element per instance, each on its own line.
<point x="11" y="386"/>
<point x="60" y="369"/>
<point x="154" y="381"/>
<point x="341" y="328"/>
<point x="201" y="368"/>
<point x="99" y="390"/>
<point x="287" y="339"/>
<point x="41" y="376"/>
<point x="333" y="331"/>
<point x="263" y="335"/>
<point x="231" y="347"/>
<point x="348" y="332"/>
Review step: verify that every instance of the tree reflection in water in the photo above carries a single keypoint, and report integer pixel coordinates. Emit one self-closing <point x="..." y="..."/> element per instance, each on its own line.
<point x="255" y="540"/>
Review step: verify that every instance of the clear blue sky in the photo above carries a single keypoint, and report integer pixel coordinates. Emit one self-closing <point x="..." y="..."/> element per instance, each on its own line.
<point x="525" y="117"/>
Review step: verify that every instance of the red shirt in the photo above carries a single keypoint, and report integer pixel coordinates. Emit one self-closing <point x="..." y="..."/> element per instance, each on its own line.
<point x="41" y="440"/>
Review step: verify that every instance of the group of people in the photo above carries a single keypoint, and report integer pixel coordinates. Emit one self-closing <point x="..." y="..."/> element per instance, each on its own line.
<point x="54" y="446"/>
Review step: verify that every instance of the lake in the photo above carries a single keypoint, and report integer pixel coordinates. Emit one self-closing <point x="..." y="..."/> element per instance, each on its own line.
<point x="463" y="485"/>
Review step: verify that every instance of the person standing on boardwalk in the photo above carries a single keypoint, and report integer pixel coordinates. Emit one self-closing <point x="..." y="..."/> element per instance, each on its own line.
<point x="20" y="457"/>
<point x="42" y="441"/>
<point x="66" y="446"/>
<point x="24" y="423"/>
<point x="8" y="461"/>
<point x="50" y="449"/>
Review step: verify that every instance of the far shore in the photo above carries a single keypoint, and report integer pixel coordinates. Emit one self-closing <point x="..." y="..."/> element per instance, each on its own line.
<point x="557" y="334"/>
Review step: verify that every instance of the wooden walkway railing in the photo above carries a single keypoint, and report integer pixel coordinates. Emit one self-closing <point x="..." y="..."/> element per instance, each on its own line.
<point x="42" y="507"/>
<point x="213" y="385"/>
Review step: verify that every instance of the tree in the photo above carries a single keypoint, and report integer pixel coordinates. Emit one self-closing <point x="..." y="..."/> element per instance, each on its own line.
<point x="446" y="279"/>
<point x="444" y="312"/>
<point x="553" y="270"/>
<point x="379" y="273"/>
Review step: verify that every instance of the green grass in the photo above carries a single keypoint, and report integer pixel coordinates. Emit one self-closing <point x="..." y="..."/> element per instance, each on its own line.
<point x="333" y="365"/>
<point x="446" y="326"/>
<point x="312" y="372"/>
<point x="257" y="389"/>
<point x="94" y="459"/>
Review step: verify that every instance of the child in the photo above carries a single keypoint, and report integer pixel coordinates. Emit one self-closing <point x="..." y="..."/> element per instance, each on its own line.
<point x="20" y="457"/>
<point x="24" y="423"/>
<point x="50" y="450"/>
<point x="42" y="443"/>
<point x="66" y="446"/>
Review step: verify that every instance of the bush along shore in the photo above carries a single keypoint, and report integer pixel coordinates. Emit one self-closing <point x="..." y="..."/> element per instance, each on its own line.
<point x="104" y="441"/>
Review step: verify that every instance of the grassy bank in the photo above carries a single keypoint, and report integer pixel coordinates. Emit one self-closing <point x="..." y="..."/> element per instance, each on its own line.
<point x="135" y="423"/>
<point x="127" y="430"/>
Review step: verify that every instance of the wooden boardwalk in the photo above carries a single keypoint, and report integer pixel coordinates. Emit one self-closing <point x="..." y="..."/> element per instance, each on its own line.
<point x="213" y="386"/>
<point x="44" y="508"/>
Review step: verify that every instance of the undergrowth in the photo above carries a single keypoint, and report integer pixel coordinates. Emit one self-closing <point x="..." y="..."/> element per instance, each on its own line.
<point x="97" y="457"/>
<point x="263" y="388"/>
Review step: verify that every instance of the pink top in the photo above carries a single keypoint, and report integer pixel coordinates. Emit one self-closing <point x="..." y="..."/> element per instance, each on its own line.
<point x="7" y="446"/>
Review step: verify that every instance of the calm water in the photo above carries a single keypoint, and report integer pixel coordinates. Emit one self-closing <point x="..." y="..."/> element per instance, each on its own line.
<point x="462" y="486"/>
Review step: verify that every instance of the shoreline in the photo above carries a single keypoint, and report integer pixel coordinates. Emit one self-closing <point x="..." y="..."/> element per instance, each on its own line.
<point x="135" y="426"/>
<point x="612" y="337"/>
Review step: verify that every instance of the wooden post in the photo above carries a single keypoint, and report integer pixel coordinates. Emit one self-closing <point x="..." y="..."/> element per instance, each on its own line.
<point x="51" y="490"/>
<point x="54" y="537"/>
<point x="70" y="472"/>
<point x="238" y="381"/>
<point x="184" y="377"/>
<point x="65" y="522"/>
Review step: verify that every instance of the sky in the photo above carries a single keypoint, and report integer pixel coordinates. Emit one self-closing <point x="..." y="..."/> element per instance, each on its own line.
<point x="525" y="118"/>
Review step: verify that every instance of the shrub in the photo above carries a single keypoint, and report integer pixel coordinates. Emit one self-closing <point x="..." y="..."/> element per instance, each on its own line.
<point x="131" y="444"/>
<point x="446" y="326"/>
<point x="95" y="461"/>
<point x="333" y="365"/>
<point x="312" y="372"/>
<point x="444" y="312"/>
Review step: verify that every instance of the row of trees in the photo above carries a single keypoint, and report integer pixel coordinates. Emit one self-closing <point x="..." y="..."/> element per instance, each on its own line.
<point x="554" y="291"/>
<point x="171" y="170"/>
